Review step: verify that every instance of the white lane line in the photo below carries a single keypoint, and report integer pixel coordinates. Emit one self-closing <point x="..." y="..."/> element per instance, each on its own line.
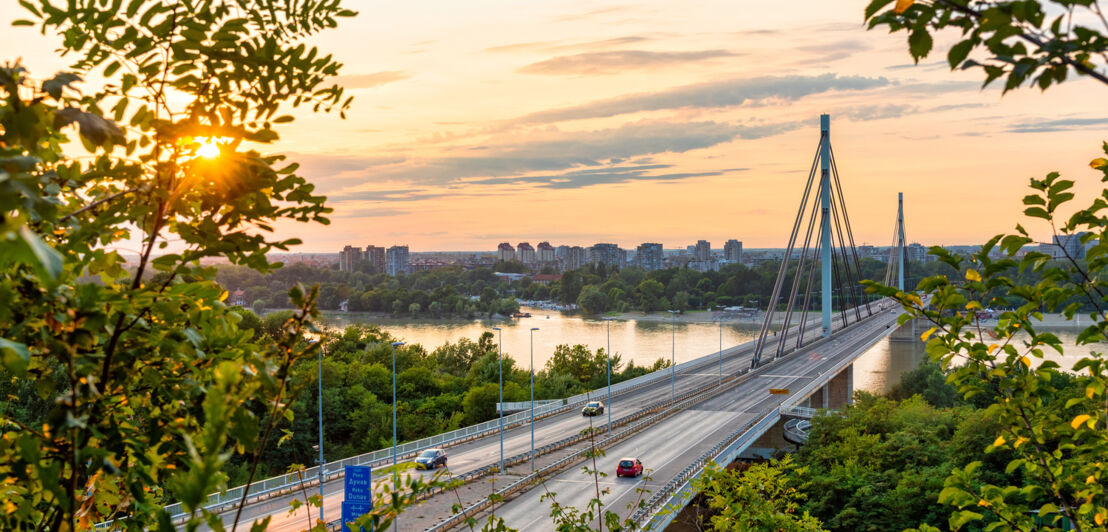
<point x="785" y="376"/>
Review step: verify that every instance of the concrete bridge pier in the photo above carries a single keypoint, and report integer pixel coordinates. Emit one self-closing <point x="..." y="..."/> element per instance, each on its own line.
<point x="835" y="393"/>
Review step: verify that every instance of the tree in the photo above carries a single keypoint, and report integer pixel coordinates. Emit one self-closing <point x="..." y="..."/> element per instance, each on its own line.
<point x="153" y="386"/>
<point x="1024" y="40"/>
<point x="650" y="293"/>
<point x="592" y="300"/>
<point x="763" y="497"/>
<point x="1056" y="433"/>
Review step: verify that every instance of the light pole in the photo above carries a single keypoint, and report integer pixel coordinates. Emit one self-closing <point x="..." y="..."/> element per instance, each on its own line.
<point x="394" y="462"/>
<point x="721" y="350"/>
<point x="500" y="359"/>
<point x="673" y="357"/>
<point x="608" y="356"/>
<point x="321" y="462"/>
<point x="533" y="329"/>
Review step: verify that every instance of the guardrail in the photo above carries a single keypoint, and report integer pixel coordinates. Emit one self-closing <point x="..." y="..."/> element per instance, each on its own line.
<point x="799" y="411"/>
<point x="656" y="516"/>
<point x="282" y="484"/>
<point x="279" y="485"/>
<point x="663" y="410"/>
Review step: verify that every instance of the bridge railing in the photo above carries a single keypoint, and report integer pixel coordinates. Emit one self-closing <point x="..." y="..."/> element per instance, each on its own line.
<point x="284" y="483"/>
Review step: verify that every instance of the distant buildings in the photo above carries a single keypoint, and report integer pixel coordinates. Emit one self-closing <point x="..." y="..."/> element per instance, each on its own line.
<point x="505" y="252"/>
<point x="702" y="250"/>
<point x="349" y="259"/>
<point x="606" y="254"/>
<point x="546" y="253"/>
<point x="375" y="256"/>
<point x="576" y="257"/>
<point x="396" y="260"/>
<point x="525" y="253"/>
<point x="1069" y="246"/>
<point x="733" y="251"/>
<point x="649" y="256"/>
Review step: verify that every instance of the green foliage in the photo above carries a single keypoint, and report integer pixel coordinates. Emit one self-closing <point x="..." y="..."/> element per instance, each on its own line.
<point x="140" y="385"/>
<point x="1051" y="421"/>
<point x="1024" y="41"/>
<point x="761" y="497"/>
<point x="929" y="382"/>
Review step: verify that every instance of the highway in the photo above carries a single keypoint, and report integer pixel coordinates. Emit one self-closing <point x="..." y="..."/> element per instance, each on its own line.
<point x="719" y="414"/>
<point x="678" y="441"/>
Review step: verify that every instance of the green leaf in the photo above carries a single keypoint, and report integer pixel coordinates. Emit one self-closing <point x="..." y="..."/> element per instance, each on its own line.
<point x="959" y="52"/>
<point x="14" y="356"/>
<point x="919" y="44"/>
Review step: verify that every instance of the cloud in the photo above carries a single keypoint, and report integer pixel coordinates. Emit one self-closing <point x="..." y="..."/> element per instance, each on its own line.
<point x="556" y="46"/>
<point x="592" y="63"/>
<point x="878" y="112"/>
<point x="715" y="94"/>
<point x="832" y="51"/>
<point x="342" y="211"/>
<point x="1062" y="124"/>
<point x="368" y="81"/>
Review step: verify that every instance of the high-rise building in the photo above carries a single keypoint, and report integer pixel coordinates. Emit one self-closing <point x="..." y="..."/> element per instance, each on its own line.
<point x="649" y="256"/>
<point x="546" y="252"/>
<point x="607" y="254"/>
<point x="691" y="250"/>
<point x="733" y="251"/>
<point x="375" y="256"/>
<point x="525" y="253"/>
<point x="1069" y="246"/>
<point x="505" y="252"/>
<point x="349" y="258"/>
<point x="561" y="252"/>
<point x="703" y="250"/>
<point x="576" y="257"/>
<point x="396" y="260"/>
<point x="916" y="252"/>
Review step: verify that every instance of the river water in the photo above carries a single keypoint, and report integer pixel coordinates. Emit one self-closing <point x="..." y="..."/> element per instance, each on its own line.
<point x="644" y="341"/>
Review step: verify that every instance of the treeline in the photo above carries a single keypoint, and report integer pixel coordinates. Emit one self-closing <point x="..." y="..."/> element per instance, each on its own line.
<point x="449" y="387"/>
<point x="454" y="292"/>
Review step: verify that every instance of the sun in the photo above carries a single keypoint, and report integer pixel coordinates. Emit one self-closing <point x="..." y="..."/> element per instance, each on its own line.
<point x="208" y="148"/>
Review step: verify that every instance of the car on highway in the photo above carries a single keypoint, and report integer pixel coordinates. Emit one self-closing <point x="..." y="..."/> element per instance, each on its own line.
<point x="431" y="459"/>
<point x="593" y="408"/>
<point x="629" y="467"/>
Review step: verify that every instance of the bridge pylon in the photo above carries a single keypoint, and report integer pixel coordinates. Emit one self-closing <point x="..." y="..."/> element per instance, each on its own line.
<point x="832" y="251"/>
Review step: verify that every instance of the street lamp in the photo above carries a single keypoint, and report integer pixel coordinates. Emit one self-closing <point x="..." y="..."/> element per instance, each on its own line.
<point x="721" y="350"/>
<point x="500" y="359"/>
<point x="394" y="462"/>
<point x="673" y="357"/>
<point x="533" y="329"/>
<point x="608" y="356"/>
<point x="321" y="462"/>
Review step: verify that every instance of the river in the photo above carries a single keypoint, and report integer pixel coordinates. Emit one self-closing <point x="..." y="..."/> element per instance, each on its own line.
<point x="644" y="341"/>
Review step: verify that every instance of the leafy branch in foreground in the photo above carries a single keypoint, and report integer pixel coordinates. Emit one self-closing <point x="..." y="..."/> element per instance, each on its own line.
<point x="129" y="383"/>
<point x="1057" y="433"/>
<point x="1023" y="40"/>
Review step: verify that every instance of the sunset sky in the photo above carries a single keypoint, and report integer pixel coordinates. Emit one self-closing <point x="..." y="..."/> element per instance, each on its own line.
<point x="580" y="122"/>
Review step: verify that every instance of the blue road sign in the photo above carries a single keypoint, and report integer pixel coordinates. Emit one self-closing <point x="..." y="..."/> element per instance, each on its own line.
<point x="358" y="485"/>
<point x="352" y="510"/>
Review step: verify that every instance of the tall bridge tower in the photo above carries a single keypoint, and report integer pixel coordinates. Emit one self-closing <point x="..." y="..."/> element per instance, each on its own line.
<point x="831" y="250"/>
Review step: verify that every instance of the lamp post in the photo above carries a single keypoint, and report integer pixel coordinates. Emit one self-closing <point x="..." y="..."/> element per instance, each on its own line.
<point x="673" y="356"/>
<point x="500" y="359"/>
<point x="394" y="462"/>
<point x="608" y="356"/>
<point x="321" y="462"/>
<point x="533" y="329"/>
<point x="721" y="350"/>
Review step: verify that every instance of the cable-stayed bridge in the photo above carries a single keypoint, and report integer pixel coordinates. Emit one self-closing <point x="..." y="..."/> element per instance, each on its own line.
<point x="712" y="408"/>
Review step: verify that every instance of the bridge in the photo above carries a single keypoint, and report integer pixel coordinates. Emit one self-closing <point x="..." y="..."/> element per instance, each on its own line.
<point x="713" y="408"/>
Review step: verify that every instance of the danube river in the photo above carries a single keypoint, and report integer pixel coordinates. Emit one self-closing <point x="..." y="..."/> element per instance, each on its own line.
<point x="645" y="341"/>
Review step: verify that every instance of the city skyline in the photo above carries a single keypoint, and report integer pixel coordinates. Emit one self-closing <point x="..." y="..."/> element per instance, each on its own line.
<point x="634" y="123"/>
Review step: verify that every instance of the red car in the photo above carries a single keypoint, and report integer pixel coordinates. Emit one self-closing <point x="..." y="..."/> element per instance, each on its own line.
<point x="629" y="467"/>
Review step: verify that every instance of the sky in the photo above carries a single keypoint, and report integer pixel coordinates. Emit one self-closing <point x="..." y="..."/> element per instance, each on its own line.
<point x="577" y="122"/>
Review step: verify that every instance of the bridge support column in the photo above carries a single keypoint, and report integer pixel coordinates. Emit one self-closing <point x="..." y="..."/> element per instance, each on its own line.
<point x="818" y="399"/>
<point x="840" y="389"/>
